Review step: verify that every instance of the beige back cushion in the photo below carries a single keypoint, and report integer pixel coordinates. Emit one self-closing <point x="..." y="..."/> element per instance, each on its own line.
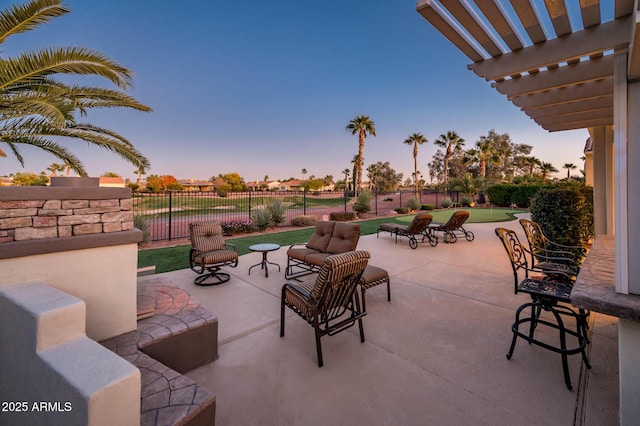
<point x="206" y="236"/>
<point x="345" y="238"/>
<point x="320" y="238"/>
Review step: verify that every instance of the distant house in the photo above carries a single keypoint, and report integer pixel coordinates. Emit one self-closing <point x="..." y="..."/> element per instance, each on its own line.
<point x="196" y="185"/>
<point x="261" y="185"/>
<point x="111" y="182"/>
<point x="6" y="181"/>
<point x="291" y="185"/>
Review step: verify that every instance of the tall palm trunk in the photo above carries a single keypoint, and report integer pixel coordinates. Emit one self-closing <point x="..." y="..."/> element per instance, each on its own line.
<point x="360" y="159"/>
<point x="415" y="167"/>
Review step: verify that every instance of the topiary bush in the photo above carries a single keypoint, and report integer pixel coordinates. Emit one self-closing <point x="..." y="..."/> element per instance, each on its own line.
<point x="342" y="216"/>
<point x="428" y="207"/>
<point x="413" y="204"/>
<point x="565" y="214"/>
<point x="304" y="220"/>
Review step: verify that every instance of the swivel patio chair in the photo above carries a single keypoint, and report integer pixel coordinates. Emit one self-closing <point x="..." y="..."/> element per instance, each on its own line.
<point x="209" y="253"/>
<point x="418" y="227"/>
<point x="549" y="296"/>
<point x="453" y="228"/>
<point x="550" y="257"/>
<point x="330" y="303"/>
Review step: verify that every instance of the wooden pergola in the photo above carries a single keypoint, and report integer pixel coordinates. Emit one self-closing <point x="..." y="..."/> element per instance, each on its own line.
<point x="560" y="76"/>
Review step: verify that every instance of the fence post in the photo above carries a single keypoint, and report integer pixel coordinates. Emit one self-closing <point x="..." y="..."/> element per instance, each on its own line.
<point x="170" y="220"/>
<point x="401" y="198"/>
<point x="304" y="202"/>
<point x="345" y="200"/>
<point x="249" y="219"/>
<point x="375" y="194"/>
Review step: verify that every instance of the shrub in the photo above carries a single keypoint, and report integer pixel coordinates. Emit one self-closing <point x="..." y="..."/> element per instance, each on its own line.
<point x="140" y="222"/>
<point x="413" y="204"/>
<point x="507" y="194"/>
<point x="222" y="193"/>
<point x="402" y="210"/>
<point x="305" y="220"/>
<point x="342" y="216"/>
<point x="277" y="209"/>
<point x="428" y="207"/>
<point x="565" y="214"/>
<point x="363" y="203"/>
<point x="466" y="201"/>
<point x="446" y="203"/>
<point x="261" y="219"/>
<point x="239" y="227"/>
<point x="388" y="199"/>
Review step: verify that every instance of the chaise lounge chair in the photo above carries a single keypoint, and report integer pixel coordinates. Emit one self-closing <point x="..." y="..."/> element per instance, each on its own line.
<point x="453" y="227"/>
<point x="418" y="226"/>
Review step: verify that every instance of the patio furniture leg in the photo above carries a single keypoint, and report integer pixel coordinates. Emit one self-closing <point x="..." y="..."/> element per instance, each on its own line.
<point x="563" y="349"/>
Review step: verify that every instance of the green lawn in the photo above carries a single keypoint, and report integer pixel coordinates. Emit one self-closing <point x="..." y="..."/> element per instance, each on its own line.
<point x="172" y="258"/>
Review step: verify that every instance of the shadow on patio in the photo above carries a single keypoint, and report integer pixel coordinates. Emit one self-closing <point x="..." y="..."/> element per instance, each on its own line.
<point x="435" y="354"/>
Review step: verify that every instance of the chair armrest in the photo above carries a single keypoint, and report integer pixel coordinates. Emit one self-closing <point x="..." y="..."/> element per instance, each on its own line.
<point x="301" y="291"/>
<point x="298" y="244"/>
<point x="232" y="246"/>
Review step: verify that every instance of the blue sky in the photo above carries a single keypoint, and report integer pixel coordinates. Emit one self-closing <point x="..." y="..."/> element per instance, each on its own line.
<point x="267" y="88"/>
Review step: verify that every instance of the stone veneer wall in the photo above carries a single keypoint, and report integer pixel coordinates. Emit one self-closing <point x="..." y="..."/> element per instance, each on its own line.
<point x="62" y="212"/>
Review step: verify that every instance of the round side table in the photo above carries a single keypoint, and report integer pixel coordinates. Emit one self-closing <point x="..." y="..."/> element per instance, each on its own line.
<point x="264" y="248"/>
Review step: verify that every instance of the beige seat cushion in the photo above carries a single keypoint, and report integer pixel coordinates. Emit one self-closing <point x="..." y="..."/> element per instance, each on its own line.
<point x="345" y="238"/>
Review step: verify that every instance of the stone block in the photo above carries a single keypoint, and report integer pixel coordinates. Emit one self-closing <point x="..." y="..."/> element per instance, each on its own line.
<point x="23" y="234"/>
<point x="21" y="204"/>
<point x="112" y="227"/>
<point x="55" y="212"/>
<point x="52" y="205"/>
<point x="117" y="217"/>
<point x="126" y="204"/>
<point x="87" y="228"/>
<point x="65" y="231"/>
<point x="104" y="203"/>
<point x="18" y="212"/>
<point x="6" y="239"/>
<point x="43" y="221"/>
<point x="15" y="222"/>
<point x="127" y="226"/>
<point x="75" y="204"/>
<point x="96" y="210"/>
<point x="79" y="219"/>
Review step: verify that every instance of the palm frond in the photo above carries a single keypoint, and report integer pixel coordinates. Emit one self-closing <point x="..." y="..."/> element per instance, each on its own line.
<point x="49" y="146"/>
<point x="21" y="18"/>
<point x="31" y="66"/>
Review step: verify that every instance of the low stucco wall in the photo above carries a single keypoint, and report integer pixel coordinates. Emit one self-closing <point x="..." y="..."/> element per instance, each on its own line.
<point x="50" y="372"/>
<point x="103" y="277"/>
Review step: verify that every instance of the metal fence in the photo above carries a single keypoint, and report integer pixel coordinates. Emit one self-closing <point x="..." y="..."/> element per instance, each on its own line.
<point x="168" y="214"/>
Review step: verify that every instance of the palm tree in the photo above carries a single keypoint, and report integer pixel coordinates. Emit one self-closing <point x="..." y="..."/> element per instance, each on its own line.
<point x="483" y="153"/>
<point x="303" y="172"/>
<point x="140" y="171"/>
<point x="569" y="167"/>
<point x="547" y="168"/>
<point x="372" y="170"/>
<point x="450" y="141"/>
<point x="356" y="163"/>
<point x="361" y="125"/>
<point x="346" y="173"/>
<point x="415" y="140"/>
<point x="532" y="163"/>
<point x="35" y="107"/>
<point x="54" y="168"/>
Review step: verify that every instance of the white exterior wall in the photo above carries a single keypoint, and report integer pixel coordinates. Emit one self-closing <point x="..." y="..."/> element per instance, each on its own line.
<point x="104" y="278"/>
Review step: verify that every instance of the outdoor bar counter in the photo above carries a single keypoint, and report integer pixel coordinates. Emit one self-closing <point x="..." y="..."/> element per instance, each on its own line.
<point x="595" y="286"/>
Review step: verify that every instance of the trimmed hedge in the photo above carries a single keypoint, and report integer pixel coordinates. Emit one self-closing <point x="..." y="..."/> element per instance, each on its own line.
<point x="428" y="207"/>
<point x="342" y="216"/>
<point x="565" y="214"/>
<point x="504" y="195"/>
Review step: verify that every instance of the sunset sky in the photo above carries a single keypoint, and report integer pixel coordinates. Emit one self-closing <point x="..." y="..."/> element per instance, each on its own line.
<point x="267" y="88"/>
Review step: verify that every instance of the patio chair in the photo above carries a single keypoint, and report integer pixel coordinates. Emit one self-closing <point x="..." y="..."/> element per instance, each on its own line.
<point x="418" y="226"/>
<point x="330" y="303"/>
<point x="209" y="253"/>
<point x="546" y="295"/>
<point x="453" y="227"/>
<point x="550" y="257"/>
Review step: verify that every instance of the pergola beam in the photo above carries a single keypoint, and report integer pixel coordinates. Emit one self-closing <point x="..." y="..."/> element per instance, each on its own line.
<point x="469" y="22"/>
<point x="579" y="125"/>
<point x="590" y="11"/>
<point x="603" y="114"/>
<point x="591" y="90"/>
<point x="500" y="21"/>
<point x="559" y="17"/>
<point x="529" y="19"/>
<point x="590" y="41"/>
<point x="583" y="105"/>
<point x="581" y="72"/>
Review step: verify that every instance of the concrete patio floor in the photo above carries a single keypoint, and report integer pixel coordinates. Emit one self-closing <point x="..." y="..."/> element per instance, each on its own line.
<point x="434" y="355"/>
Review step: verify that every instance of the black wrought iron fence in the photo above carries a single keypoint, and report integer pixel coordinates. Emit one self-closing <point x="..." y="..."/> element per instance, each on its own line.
<point x="168" y="214"/>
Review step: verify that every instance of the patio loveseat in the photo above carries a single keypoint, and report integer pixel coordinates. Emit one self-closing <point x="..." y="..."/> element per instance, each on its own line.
<point x="329" y="237"/>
